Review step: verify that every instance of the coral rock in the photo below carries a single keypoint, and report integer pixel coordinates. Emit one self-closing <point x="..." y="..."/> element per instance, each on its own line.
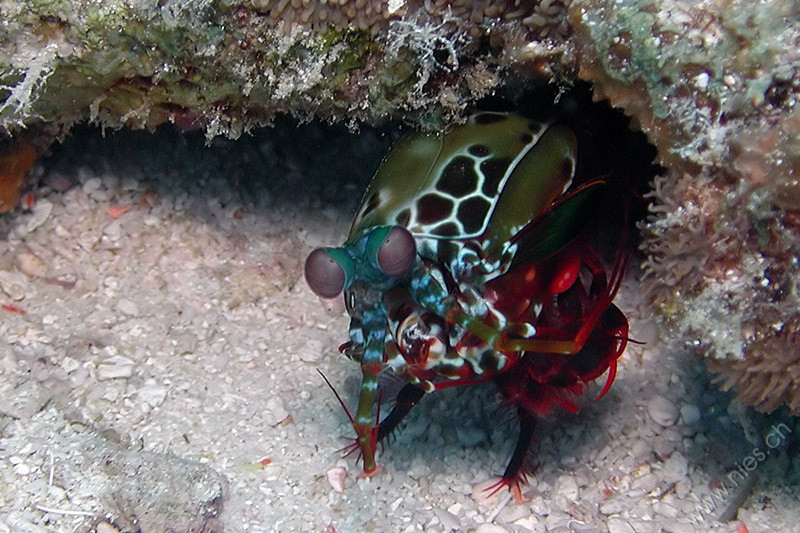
<point x="716" y="90"/>
<point x="230" y="66"/>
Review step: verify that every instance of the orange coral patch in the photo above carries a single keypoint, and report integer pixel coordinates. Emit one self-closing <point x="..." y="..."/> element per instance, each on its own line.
<point x="15" y="162"/>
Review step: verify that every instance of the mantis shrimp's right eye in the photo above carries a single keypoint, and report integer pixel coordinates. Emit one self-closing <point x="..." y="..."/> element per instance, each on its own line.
<point x="324" y="274"/>
<point x="397" y="252"/>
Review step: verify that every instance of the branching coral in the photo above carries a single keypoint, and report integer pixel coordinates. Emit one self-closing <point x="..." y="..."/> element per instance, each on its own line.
<point x="22" y="95"/>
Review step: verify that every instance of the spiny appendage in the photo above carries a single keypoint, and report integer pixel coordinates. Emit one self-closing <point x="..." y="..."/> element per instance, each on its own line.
<point x="521" y="466"/>
<point x="615" y="328"/>
<point x="373" y="433"/>
<point x="406" y="399"/>
<point x="522" y="388"/>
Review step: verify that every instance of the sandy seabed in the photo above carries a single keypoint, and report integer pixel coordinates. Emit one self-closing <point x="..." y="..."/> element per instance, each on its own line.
<point x="158" y="372"/>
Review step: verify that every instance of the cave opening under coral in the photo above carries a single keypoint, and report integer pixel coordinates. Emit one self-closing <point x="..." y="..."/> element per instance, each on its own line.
<point x="301" y="161"/>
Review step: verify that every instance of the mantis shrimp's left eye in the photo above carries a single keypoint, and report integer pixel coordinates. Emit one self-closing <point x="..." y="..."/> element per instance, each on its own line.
<point x="397" y="253"/>
<point x="324" y="274"/>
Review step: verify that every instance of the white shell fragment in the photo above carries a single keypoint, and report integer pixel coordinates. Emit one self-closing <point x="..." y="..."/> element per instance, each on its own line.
<point x="114" y="367"/>
<point x="13" y="284"/>
<point x="336" y="477"/>
<point x="105" y="527"/>
<point x="30" y="265"/>
<point x="153" y="393"/>
<point x="312" y="351"/>
<point x="128" y="307"/>
<point x="274" y="412"/>
<point x="663" y="411"/>
<point x="40" y="213"/>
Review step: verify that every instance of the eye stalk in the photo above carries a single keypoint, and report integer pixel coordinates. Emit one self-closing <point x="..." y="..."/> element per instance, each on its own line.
<point x="397" y="252"/>
<point x="327" y="271"/>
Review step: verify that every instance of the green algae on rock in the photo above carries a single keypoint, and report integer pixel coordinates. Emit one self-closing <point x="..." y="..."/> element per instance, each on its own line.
<point x="233" y="65"/>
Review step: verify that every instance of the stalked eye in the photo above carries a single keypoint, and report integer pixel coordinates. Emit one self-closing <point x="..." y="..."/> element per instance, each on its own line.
<point x="325" y="275"/>
<point x="397" y="253"/>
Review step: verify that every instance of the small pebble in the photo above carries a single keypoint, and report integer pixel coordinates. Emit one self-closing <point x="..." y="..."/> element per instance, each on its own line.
<point x="127" y="307"/>
<point x="647" y="482"/>
<point x="455" y="509"/>
<point x="567" y="488"/>
<point x="69" y="364"/>
<point x="676" y="467"/>
<point x="113" y="230"/>
<point x="558" y="519"/>
<point x="114" y="367"/>
<point x="663" y="411"/>
<point x="663" y="447"/>
<point x="616" y="505"/>
<point x="540" y="506"/>
<point x="683" y="488"/>
<point x="91" y="185"/>
<point x="105" y="527"/>
<point x="101" y="195"/>
<point x="274" y="412"/>
<point x="312" y="351"/>
<point x="41" y="212"/>
<point x="448" y="520"/>
<point x="690" y="414"/>
<point x="665" y="509"/>
<point x="640" y="447"/>
<point x="511" y="513"/>
<point x="153" y="393"/>
<point x="13" y="284"/>
<point x="336" y="477"/>
<point x="619" y="525"/>
<point x="490" y="528"/>
<point x="30" y="265"/>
